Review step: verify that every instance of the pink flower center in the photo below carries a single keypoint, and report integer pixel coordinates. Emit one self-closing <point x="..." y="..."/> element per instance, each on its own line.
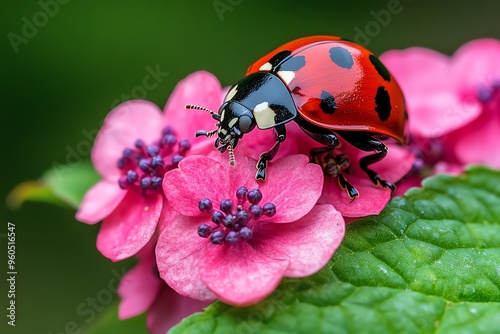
<point x="428" y="151"/>
<point x="144" y="165"/>
<point x="234" y="223"/>
<point x="489" y="95"/>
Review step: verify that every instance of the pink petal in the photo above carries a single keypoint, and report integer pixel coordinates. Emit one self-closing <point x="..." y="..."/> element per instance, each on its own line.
<point x="307" y="244"/>
<point x="179" y="253"/>
<point x="439" y="113"/>
<point x="99" y="202"/>
<point x="414" y="180"/>
<point x="201" y="89"/>
<point x="475" y="63"/>
<point x="125" y="124"/>
<point x="371" y="201"/>
<point x="293" y="185"/>
<point x="201" y="177"/>
<point x="130" y="226"/>
<point x="478" y="143"/>
<point x="169" y="309"/>
<point x="138" y="288"/>
<point x="239" y="275"/>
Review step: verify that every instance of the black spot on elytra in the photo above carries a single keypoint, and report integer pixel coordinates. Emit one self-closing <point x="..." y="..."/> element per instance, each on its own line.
<point x="381" y="69"/>
<point x="292" y="64"/>
<point x="278" y="58"/>
<point x="383" y="104"/>
<point x="327" y="104"/>
<point x="341" y="57"/>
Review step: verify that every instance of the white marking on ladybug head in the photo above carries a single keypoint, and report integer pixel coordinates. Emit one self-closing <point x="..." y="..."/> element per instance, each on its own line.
<point x="264" y="115"/>
<point x="287" y="76"/>
<point x="233" y="122"/>
<point x="222" y="116"/>
<point x="231" y="93"/>
<point x="266" y="67"/>
<point x="223" y="131"/>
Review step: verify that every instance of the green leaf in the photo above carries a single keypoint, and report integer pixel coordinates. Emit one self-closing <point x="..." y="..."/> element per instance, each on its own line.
<point x="429" y="263"/>
<point x="108" y="323"/>
<point x="62" y="185"/>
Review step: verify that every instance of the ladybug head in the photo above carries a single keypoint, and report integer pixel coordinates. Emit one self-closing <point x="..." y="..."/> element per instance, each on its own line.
<point x="234" y="120"/>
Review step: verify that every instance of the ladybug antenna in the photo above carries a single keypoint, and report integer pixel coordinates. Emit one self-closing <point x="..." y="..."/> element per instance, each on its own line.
<point x="232" y="161"/>
<point x="214" y="115"/>
<point x="204" y="133"/>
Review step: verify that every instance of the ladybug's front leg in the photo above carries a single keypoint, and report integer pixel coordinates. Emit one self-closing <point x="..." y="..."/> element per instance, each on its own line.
<point x="279" y="136"/>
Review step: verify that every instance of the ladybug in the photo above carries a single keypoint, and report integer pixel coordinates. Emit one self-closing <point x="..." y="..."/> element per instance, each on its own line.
<point x="331" y="88"/>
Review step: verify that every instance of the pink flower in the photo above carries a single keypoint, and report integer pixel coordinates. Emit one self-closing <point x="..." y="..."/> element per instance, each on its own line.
<point x="135" y="147"/>
<point x="240" y="252"/>
<point x="141" y="289"/>
<point x="477" y="75"/>
<point x="453" y="103"/>
<point x="371" y="200"/>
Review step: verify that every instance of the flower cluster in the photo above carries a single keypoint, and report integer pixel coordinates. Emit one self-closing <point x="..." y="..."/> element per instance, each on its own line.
<point x="453" y="104"/>
<point x="204" y="230"/>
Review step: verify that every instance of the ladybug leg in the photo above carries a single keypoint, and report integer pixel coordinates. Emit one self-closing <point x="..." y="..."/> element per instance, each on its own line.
<point x="368" y="143"/>
<point x="279" y="135"/>
<point x="321" y="135"/>
<point x="332" y="165"/>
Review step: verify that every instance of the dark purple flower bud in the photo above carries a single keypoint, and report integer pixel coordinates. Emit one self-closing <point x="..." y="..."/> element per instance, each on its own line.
<point x="205" y="205"/>
<point x="483" y="93"/>
<point x="122" y="182"/>
<point x="145" y="182"/>
<point x="168" y="140"/>
<point x="153" y="150"/>
<point x="242" y="217"/>
<point x="255" y="211"/>
<point x="184" y="146"/>
<point x="139" y="143"/>
<point x="217" y="217"/>
<point x="156" y="162"/>
<point x="232" y="237"/>
<point x="226" y="206"/>
<point x="176" y="159"/>
<point x="254" y="196"/>
<point x="168" y="130"/>
<point x="127" y="153"/>
<point x="204" y="230"/>
<point x="120" y="163"/>
<point x="269" y="209"/>
<point x="217" y="238"/>
<point x="246" y="233"/>
<point x="156" y="182"/>
<point x="242" y="192"/>
<point x="132" y="176"/>
<point x="229" y="221"/>
<point x="144" y="165"/>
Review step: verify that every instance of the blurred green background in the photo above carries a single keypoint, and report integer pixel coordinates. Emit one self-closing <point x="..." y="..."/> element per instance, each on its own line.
<point x="61" y="76"/>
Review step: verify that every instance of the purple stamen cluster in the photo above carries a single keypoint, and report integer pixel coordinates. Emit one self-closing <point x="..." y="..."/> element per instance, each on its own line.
<point x="235" y="221"/>
<point x="143" y="166"/>
<point x="485" y="93"/>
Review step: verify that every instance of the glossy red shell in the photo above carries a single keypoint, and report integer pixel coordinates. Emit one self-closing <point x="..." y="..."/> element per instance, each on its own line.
<point x="354" y="89"/>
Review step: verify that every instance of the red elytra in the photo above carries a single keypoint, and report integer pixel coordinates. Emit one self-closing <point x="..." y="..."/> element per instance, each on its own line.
<point x="354" y="89"/>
